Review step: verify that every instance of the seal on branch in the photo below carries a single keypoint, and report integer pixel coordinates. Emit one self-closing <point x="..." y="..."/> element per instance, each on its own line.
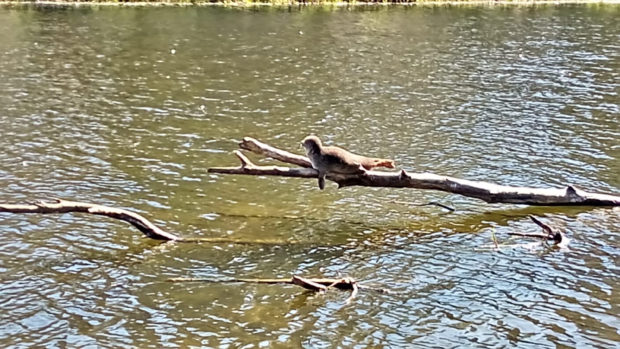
<point x="337" y="160"/>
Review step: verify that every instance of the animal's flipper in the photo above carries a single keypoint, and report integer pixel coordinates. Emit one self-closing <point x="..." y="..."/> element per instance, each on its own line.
<point x="322" y="180"/>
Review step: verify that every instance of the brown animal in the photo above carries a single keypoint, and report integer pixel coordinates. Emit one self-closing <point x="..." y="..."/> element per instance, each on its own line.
<point x="338" y="160"/>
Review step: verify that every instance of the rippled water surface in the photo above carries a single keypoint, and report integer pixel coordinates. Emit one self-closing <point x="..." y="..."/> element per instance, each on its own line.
<point x="129" y="107"/>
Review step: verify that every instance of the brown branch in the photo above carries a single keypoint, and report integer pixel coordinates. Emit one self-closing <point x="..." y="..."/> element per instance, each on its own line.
<point x="489" y="192"/>
<point x="546" y="229"/>
<point x="557" y="236"/>
<point x="349" y="282"/>
<point x="548" y="233"/>
<point x="530" y="235"/>
<point x="308" y="284"/>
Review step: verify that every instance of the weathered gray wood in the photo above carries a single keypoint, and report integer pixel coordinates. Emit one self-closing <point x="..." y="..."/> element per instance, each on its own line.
<point x="62" y="206"/>
<point x="258" y="147"/>
<point x="489" y="192"/>
<point x="144" y="225"/>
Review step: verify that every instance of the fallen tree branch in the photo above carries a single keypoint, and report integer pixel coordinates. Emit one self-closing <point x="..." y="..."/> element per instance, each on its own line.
<point x="353" y="293"/>
<point x="343" y="284"/>
<point x="62" y="206"/>
<point x="308" y="284"/>
<point x="261" y="148"/>
<point x="548" y="233"/>
<point x="488" y="192"/>
<point x="530" y="235"/>
<point x="144" y="225"/>
<point x="313" y="284"/>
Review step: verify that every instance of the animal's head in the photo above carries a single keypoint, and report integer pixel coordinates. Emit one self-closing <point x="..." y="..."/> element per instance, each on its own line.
<point x="311" y="144"/>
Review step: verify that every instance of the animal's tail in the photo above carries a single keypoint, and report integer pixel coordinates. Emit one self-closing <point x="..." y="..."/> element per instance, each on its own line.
<point x="378" y="163"/>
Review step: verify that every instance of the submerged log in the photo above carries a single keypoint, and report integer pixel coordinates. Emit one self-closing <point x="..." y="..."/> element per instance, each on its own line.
<point x="488" y="192"/>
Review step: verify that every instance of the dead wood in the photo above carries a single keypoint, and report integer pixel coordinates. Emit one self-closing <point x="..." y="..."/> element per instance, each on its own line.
<point x="62" y="206"/>
<point x="258" y="147"/>
<point x="548" y="233"/>
<point x="308" y="284"/>
<point x="488" y="192"/>
<point x="144" y="225"/>
<point x="313" y="284"/>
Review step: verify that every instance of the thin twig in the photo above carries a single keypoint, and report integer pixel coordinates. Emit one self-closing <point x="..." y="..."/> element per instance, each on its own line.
<point x="530" y="235"/>
<point x="353" y="293"/>
<point x="547" y="229"/>
<point x="434" y="203"/>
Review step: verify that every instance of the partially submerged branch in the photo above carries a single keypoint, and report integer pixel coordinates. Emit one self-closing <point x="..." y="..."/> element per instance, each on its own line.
<point x="144" y="225"/>
<point x="308" y="284"/>
<point x="313" y="284"/>
<point x="548" y="233"/>
<point x="62" y="206"/>
<point x="485" y="191"/>
<point x="343" y="284"/>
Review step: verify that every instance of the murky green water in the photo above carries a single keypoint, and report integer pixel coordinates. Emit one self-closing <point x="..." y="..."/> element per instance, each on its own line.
<point x="97" y="107"/>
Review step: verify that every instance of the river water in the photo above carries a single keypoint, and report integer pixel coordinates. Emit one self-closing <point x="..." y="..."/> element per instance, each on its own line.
<point x="129" y="107"/>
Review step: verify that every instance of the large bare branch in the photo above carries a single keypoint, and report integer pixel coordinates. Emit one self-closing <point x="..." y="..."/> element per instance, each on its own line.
<point x="489" y="192"/>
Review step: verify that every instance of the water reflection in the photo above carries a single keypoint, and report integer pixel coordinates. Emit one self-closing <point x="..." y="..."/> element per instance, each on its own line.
<point x="130" y="107"/>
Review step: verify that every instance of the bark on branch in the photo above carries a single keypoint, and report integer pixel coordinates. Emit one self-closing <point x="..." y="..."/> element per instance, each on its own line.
<point x="489" y="192"/>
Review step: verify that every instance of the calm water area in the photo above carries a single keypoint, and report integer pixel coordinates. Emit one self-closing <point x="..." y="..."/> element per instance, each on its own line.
<point x="129" y="107"/>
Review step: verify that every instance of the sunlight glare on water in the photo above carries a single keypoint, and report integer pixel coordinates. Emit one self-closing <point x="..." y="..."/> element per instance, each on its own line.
<point x="129" y="107"/>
